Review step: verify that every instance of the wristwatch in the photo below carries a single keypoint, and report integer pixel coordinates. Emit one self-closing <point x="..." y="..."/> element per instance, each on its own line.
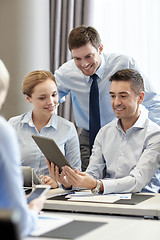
<point x="96" y="190"/>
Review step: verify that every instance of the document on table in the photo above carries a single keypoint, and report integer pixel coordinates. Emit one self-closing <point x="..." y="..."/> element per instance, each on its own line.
<point x="88" y="196"/>
<point x="47" y="223"/>
<point x="57" y="192"/>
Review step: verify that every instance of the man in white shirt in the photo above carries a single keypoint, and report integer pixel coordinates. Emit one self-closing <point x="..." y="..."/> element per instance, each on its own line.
<point x="75" y="76"/>
<point x="126" y="152"/>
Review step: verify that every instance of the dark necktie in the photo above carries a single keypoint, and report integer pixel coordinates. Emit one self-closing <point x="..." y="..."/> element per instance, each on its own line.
<point x="94" y="112"/>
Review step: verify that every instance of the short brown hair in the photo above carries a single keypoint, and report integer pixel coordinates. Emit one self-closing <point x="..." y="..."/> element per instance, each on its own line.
<point x="33" y="78"/>
<point x="82" y="35"/>
<point x="132" y="76"/>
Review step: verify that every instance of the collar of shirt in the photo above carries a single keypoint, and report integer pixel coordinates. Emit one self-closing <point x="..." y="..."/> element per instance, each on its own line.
<point x="100" y="70"/>
<point x="28" y="119"/>
<point x="140" y="123"/>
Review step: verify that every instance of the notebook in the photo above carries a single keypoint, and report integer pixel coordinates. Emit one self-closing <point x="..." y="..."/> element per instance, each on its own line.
<point x="73" y="229"/>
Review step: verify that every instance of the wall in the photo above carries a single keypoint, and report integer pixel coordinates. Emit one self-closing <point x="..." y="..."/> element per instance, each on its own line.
<point x="24" y="46"/>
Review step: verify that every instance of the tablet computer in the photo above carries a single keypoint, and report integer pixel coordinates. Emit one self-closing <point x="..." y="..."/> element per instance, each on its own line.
<point x="51" y="151"/>
<point x="38" y="191"/>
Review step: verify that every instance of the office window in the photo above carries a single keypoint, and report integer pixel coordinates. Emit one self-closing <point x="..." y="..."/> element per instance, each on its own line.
<point x="131" y="27"/>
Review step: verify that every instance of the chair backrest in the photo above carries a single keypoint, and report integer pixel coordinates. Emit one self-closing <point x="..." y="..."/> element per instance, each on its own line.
<point x="29" y="176"/>
<point x="9" y="224"/>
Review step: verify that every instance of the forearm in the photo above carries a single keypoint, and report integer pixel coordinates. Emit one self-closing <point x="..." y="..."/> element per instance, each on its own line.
<point x="121" y="185"/>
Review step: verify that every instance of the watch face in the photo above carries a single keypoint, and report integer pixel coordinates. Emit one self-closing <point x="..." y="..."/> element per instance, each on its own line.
<point x="97" y="188"/>
<point x="95" y="191"/>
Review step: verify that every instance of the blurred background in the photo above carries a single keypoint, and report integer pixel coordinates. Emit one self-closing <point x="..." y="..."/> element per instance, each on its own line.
<point x="33" y="35"/>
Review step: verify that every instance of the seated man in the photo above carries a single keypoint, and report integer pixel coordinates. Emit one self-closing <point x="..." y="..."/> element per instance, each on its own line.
<point x="126" y="152"/>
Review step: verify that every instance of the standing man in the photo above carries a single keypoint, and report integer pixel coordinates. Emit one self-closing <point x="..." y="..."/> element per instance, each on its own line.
<point x="86" y="76"/>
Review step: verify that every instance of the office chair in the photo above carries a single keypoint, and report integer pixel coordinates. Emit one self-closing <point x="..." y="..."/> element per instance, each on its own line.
<point x="9" y="224"/>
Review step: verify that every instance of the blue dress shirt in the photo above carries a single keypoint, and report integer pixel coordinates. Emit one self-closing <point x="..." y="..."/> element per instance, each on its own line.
<point x="132" y="159"/>
<point x="70" y="79"/>
<point x="62" y="131"/>
<point x="11" y="181"/>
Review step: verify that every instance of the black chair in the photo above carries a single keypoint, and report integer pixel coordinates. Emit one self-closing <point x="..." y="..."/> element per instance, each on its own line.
<point x="9" y="224"/>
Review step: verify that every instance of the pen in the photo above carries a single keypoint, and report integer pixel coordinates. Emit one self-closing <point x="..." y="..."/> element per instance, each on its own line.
<point x="43" y="217"/>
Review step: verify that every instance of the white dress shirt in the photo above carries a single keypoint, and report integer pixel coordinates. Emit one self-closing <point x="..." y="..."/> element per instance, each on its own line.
<point x="70" y="79"/>
<point x="61" y="130"/>
<point x="131" y="159"/>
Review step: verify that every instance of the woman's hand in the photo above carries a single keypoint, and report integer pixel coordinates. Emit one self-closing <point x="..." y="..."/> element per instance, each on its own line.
<point x="37" y="204"/>
<point x="49" y="181"/>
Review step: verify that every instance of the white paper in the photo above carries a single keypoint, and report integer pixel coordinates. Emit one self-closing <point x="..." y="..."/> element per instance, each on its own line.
<point x="47" y="223"/>
<point x="90" y="197"/>
<point x="56" y="192"/>
<point x="85" y="193"/>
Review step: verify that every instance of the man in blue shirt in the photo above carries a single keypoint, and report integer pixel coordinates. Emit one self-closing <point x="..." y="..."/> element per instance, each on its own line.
<point x="74" y="76"/>
<point x="126" y="151"/>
